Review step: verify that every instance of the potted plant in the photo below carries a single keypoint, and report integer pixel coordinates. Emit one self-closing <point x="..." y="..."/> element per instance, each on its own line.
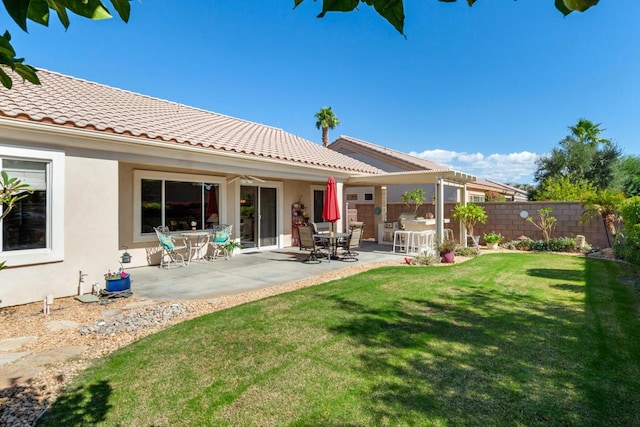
<point x="231" y="246"/>
<point x="414" y="199"/>
<point x="492" y="239"/>
<point x="447" y="251"/>
<point x="117" y="281"/>
<point x="469" y="215"/>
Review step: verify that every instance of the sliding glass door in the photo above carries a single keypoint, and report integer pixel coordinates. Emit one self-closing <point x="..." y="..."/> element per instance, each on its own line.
<point x="258" y="216"/>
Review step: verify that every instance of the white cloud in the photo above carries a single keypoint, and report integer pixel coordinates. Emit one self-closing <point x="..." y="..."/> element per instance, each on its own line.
<point x="512" y="167"/>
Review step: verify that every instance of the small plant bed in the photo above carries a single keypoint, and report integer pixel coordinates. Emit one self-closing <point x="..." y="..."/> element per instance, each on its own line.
<point x="559" y="244"/>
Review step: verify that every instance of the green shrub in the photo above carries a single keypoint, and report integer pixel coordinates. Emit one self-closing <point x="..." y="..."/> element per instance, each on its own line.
<point x="425" y="259"/>
<point x="518" y="245"/>
<point x="559" y="244"/>
<point x="471" y="252"/>
<point x="628" y="248"/>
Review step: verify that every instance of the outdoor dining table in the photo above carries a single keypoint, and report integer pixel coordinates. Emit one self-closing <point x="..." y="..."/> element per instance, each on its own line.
<point x="332" y="240"/>
<point x="197" y="242"/>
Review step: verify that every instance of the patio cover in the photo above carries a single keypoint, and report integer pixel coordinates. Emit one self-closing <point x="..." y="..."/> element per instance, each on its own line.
<point x="440" y="178"/>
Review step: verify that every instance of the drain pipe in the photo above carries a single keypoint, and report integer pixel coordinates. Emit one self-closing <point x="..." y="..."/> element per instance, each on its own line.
<point x="80" y="281"/>
<point x="48" y="302"/>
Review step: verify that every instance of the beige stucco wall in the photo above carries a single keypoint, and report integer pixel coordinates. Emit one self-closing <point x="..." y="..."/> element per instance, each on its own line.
<point x="98" y="222"/>
<point x="91" y="237"/>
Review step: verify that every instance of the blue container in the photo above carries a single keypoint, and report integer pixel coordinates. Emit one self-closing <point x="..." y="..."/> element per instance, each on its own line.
<point x="119" y="284"/>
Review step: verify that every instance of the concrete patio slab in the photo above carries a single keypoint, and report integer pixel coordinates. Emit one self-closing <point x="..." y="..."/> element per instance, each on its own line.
<point x="242" y="273"/>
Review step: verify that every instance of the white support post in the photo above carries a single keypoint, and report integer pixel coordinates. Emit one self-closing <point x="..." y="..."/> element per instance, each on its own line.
<point x="439" y="209"/>
<point x="463" y="229"/>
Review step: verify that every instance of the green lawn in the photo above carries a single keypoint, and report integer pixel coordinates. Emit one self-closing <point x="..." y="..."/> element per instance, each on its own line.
<point x="503" y="339"/>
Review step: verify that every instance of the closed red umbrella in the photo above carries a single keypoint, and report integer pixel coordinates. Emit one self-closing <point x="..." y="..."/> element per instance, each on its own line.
<point x="331" y="209"/>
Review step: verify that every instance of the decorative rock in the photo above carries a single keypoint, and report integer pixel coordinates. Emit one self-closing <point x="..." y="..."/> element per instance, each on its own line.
<point x="146" y="317"/>
<point x="111" y="313"/>
<point x="139" y="304"/>
<point x="58" y="325"/>
<point x="10" y="357"/>
<point x="11" y="343"/>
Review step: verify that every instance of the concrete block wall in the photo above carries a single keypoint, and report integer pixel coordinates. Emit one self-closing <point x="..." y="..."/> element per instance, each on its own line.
<point x="504" y="218"/>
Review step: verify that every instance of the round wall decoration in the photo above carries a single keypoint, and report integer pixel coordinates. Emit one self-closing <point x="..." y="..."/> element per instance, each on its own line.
<point x="377" y="210"/>
<point x="524" y="214"/>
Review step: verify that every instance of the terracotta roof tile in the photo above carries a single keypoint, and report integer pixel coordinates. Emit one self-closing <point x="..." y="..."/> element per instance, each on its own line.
<point x="67" y="101"/>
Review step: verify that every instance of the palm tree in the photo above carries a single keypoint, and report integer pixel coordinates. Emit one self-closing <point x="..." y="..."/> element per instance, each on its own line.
<point x="607" y="204"/>
<point x="326" y="120"/>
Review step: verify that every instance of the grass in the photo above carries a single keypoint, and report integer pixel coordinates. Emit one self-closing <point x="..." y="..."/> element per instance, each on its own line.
<point x="504" y="339"/>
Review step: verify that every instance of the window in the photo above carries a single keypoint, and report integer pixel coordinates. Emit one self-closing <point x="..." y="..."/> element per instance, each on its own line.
<point x="368" y="196"/>
<point x="352" y="197"/>
<point x="476" y="198"/>
<point x="177" y="201"/>
<point x="33" y="231"/>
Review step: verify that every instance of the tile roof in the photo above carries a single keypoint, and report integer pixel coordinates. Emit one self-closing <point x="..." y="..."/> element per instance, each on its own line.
<point x="407" y="158"/>
<point x="69" y="101"/>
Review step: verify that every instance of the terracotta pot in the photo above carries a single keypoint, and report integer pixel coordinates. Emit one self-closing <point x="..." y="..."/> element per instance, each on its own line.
<point x="447" y="257"/>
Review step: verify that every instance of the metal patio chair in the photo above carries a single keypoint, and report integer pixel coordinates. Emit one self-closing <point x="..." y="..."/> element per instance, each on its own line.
<point x="350" y="244"/>
<point x="308" y="243"/>
<point x="221" y="236"/>
<point x="171" y="253"/>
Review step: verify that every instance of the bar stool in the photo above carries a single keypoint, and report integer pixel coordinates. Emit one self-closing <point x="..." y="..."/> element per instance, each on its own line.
<point x="401" y="239"/>
<point x="448" y="234"/>
<point x="423" y="241"/>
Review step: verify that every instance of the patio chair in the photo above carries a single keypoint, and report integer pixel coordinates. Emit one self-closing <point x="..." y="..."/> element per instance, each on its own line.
<point x="319" y="242"/>
<point x="221" y="236"/>
<point x="308" y="243"/>
<point x="351" y="243"/>
<point x="171" y="254"/>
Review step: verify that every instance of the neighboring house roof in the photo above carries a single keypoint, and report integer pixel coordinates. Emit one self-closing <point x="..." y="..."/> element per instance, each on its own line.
<point x="487" y="185"/>
<point x="69" y="101"/>
<point x="349" y="146"/>
<point x="519" y="193"/>
<point x="343" y="143"/>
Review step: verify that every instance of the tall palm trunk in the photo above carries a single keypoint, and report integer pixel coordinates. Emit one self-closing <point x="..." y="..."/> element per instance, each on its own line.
<point x="325" y="136"/>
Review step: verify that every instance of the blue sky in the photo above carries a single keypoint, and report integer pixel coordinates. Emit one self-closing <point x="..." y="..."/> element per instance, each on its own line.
<point x="483" y="89"/>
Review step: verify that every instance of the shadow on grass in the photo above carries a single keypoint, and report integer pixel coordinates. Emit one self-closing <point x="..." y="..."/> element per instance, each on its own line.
<point x="579" y="289"/>
<point x="489" y="358"/>
<point x="559" y="274"/>
<point x="81" y="406"/>
<point x="612" y="312"/>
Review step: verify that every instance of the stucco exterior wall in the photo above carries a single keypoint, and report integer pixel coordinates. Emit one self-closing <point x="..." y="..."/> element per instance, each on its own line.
<point x="91" y="237"/>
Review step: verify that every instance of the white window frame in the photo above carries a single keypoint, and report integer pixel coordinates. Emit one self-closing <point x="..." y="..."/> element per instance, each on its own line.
<point x="55" y="171"/>
<point x="139" y="175"/>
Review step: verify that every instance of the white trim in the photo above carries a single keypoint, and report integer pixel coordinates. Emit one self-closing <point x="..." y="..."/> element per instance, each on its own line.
<point x="55" y="207"/>
<point x="225" y="161"/>
<point x="311" y="212"/>
<point x="279" y="186"/>
<point x="139" y="175"/>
